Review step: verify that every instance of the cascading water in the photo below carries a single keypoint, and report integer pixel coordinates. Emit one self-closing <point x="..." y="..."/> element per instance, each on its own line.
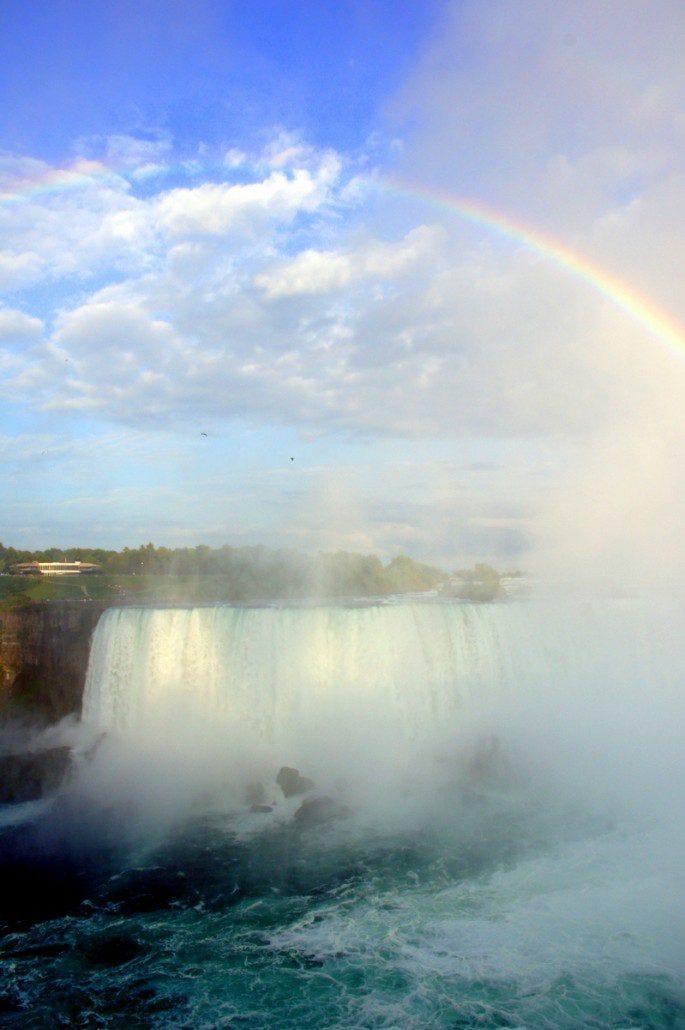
<point x="300" y="681"/>
<point x="504" y="851"/>
<point x="386" y="684"/>
<point x="273" y="666"/>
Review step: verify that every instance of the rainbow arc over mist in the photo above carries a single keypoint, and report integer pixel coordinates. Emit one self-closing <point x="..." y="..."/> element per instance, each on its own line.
<point x="623" y="295"/>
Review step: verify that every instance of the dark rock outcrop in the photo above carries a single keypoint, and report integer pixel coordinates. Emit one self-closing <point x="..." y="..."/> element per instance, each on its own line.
<point x="28" y="775"/>
<point x="110" y="949"/>
<point x="317" y="811"/>
<point x="44" y="658"/>
<point x="292" y="783"/>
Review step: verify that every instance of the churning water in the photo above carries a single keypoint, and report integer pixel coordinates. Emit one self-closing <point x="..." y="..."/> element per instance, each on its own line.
<point x="491" y="837"/>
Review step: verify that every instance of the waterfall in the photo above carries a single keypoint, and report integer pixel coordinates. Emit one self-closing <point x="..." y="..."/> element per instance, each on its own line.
<point x="415" y="664"/>
<point x="487" y="825"/>
<point x="308" y="685"/>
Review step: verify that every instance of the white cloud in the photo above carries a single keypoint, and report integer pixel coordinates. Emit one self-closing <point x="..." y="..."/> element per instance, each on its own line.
<point x="115" y="326"/>
<point x="325" y="271"/>
<point x="84" y="222"/>
<point x="377" y="337"/>
<point x="235" y="158"/>
<point x="15" y="326"/>
<point x="120" y="150"/>
<point x="79" y="222"/>
<point x="310" y="272"/>
<point x="17" y="267"/>
<point x="216" y="209"/>
<point x="390" y="259"/>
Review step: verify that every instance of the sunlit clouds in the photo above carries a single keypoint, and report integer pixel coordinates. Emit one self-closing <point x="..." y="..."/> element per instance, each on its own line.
<point x="280" y="292"/>
<point x="270" y="300"/>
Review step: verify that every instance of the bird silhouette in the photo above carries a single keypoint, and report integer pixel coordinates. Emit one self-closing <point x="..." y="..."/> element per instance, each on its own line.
<point x="203" y="434"/>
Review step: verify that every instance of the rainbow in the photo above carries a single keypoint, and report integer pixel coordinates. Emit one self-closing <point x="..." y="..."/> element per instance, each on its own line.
<point x="85" y="173"/>
<point x="637" y="306"/>
<point x="624" y="296"/>
<point x="58" y="180"/>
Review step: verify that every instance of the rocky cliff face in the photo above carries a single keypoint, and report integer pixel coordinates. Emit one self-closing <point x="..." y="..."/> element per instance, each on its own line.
<point x="44" y="657"/>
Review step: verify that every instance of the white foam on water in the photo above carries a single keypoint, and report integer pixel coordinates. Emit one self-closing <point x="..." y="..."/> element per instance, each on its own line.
<point x="555" y="939"/>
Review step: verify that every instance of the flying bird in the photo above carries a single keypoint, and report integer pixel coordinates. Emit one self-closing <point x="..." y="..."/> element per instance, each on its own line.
<point x="292" y="459"/>
<point x="203" y="434"/>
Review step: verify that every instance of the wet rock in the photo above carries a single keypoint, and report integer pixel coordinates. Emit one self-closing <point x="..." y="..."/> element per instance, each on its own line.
<point x="111" y="949"/>
<point x="292" y="783"/>
<point x="44" y="651"/>
<point x="40" y="878"/>
<point x="317" y="811"/>
<point x="28" y="775"/>
<point x="261" y="808"/>
<point x="63" y="854"/>
<point x="11" y="1002"/>
<point x="150" y="889"/>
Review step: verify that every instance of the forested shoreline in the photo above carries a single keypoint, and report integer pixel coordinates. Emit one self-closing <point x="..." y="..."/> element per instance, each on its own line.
<point x="205" y="574"/>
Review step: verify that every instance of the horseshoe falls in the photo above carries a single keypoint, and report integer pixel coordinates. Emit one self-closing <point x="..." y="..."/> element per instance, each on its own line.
<point x="407" y="814"/>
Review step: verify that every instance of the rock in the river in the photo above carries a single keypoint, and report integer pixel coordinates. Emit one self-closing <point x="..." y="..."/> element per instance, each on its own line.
<point x="291" y="783"/>
<point x="110" y="949"/>
<point x="28" y="775"/>
<point x="316" y="811"/>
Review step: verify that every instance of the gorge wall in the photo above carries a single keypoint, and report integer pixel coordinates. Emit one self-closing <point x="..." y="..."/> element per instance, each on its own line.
<point x="44" y="657"/>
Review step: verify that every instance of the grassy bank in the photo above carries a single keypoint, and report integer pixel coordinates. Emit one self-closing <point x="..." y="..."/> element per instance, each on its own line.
<point x="22" y="591"/>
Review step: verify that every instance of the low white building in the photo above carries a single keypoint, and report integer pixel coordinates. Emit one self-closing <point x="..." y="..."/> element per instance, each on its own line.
<point x="55" y="568"/>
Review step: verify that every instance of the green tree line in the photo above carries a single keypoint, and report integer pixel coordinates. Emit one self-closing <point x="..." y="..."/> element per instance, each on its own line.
<point x="246" y="573"/>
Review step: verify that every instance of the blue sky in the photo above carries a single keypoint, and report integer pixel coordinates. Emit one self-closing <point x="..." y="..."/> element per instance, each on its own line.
<point x="211" y="71"/>
<point x="199" y="235"/>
